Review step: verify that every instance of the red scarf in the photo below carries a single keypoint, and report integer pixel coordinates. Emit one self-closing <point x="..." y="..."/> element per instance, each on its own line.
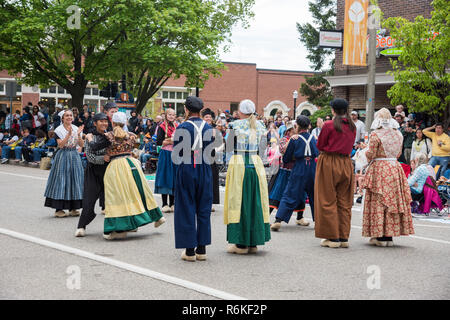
<point x="170" y="130"/>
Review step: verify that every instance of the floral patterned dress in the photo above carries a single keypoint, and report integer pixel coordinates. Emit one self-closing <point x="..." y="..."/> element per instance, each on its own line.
<point x="387" y="204"/>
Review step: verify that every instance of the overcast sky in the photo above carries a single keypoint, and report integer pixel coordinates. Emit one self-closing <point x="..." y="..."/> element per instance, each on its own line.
<point x="272" y="41"/>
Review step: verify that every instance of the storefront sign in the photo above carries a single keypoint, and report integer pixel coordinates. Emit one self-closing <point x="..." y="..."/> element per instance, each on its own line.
<point x="394" y="52"/>
<point x="330" y="39"/>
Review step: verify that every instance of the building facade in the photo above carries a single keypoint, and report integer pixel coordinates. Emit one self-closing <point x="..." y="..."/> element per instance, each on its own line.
<point x="350" y="82"/>
<point x="271" y="90"/>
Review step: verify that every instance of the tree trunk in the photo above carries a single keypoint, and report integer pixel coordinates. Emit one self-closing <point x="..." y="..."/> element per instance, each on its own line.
<point x="77" y="99"/>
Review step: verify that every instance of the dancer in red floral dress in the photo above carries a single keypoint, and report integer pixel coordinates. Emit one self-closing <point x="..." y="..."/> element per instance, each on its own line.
<point x="387" y="204"/>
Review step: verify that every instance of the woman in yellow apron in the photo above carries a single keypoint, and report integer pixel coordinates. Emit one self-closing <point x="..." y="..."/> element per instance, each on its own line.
<point x="246" y="207"/>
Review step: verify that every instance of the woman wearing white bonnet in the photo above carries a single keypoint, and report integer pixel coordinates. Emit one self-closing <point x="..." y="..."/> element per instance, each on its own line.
<point x="246" y="206"/>
<point x="387" y="204"/>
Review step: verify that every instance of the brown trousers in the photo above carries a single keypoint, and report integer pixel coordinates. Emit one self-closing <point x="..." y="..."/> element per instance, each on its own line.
<point x="333" y="196"/>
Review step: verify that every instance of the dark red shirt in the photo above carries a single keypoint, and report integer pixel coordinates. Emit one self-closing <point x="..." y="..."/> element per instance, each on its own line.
<point x="336" y="142"/>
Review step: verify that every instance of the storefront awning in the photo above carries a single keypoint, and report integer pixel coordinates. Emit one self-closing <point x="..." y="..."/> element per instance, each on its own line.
<point x="358" y="80"/>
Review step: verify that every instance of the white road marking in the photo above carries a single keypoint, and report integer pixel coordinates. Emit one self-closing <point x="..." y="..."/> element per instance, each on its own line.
<point x="416" y="237"/>
<point x="126" y="266"/>
<point x="24" y="176"/>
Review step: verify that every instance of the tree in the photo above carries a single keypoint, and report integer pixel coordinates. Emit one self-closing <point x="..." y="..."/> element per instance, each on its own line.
<point x="53" y="42"/>
<point x="324" y="17"/>
<point x="179" y="38"/>
<point x="422" y="80"/>
<point x="148" y="40"/>
<point x="316" y="88"/>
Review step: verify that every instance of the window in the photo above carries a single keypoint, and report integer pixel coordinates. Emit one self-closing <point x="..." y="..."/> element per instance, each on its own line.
<point x="169" y="105"/>
<point x="180" y="109"/>
<point x="179" y="95"/>
<point x="2" y="87"/>
<point x="52" y="89"/>
<point x="95" y="91"/>
<point x="87" y="91"/>
<point x="18" y="87"/>
<point x="165" y="95"/>
<point x="172" y="95"/>
<point x="185" y="95"/>
<point x="60" y="89"/>
<point x="44" y="90"/>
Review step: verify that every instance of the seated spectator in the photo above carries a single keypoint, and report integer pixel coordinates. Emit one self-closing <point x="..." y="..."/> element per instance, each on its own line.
<point x="440" y="148"/>
<point x="27" y="141"/>
<point x="16" y="125"/>
<point x="421" y="171"/>
<point x="9" y="145"/>
<point x="147" y="152"/>
<point x="27" y="152"/>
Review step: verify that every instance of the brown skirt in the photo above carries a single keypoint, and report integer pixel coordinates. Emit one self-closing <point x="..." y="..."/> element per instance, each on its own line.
<point x="333" y="196"/>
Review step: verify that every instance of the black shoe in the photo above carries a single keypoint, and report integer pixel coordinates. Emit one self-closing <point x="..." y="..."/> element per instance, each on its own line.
<point x="359" y="200"/>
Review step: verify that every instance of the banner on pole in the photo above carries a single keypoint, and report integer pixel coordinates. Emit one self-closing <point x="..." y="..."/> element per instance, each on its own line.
<point x="355" y="32"/>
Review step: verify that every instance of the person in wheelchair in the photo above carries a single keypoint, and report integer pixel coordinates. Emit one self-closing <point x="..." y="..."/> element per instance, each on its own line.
<point x="421" y="170"/>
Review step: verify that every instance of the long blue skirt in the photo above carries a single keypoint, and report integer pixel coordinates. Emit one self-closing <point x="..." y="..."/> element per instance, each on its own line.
<point x="65" y="182"/>
<point x="277" y="186"/>
<point x="165" y="174"/>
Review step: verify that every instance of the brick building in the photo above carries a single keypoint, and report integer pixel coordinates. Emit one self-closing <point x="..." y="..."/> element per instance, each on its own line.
<point x="350" y="82"/>
<point x="271" y="90"/>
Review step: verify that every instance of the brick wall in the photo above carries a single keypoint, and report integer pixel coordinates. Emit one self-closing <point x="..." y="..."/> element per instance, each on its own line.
<point x="244" y="81"/>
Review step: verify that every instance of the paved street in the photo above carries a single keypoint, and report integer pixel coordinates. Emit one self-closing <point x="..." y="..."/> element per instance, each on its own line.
<point x="147" y="266"/>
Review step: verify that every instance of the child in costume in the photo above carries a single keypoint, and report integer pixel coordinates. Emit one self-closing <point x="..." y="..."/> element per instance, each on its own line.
<point x="302" y="148"/>
<point x="166" y="170"/>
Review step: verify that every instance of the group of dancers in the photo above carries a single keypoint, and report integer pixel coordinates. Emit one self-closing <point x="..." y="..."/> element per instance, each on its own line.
<point x="320" y="171"/>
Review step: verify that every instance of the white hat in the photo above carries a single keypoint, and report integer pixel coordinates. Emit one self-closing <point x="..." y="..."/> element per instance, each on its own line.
<point x="247" y="107"/>
<point x="120" y="117"/>
<point x="383" y="119"/>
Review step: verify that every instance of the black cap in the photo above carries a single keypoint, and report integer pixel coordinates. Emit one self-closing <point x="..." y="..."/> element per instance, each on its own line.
<point x="100" y="116"/>
<point x="207" y="111"/>
<point x="339" y="104"/>
<point x="303" y="121"/>
<point x="194" y="104"/>
<point x="110" y="105"/>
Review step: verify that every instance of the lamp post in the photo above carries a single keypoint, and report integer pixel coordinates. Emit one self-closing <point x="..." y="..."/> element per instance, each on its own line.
<point x="295" y="96"/>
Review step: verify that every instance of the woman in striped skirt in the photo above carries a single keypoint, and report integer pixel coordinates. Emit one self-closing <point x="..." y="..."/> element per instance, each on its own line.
<point x="64" y="189"/>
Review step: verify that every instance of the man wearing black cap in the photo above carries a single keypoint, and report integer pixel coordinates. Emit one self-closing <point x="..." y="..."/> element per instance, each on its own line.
<point x="94" y="172"/>
<point x="193" y="184"/>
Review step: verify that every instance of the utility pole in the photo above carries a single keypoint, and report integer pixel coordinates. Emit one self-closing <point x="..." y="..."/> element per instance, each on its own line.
<point x="372" y="62"/>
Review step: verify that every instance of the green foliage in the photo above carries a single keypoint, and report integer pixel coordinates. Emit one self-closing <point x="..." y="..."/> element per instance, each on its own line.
<point x="324" y="16"/>
<point x="422" y="80"/>
<point x="148" y="40"/>
<point x="317" y="90"/>
<point x="322" y="113"/>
